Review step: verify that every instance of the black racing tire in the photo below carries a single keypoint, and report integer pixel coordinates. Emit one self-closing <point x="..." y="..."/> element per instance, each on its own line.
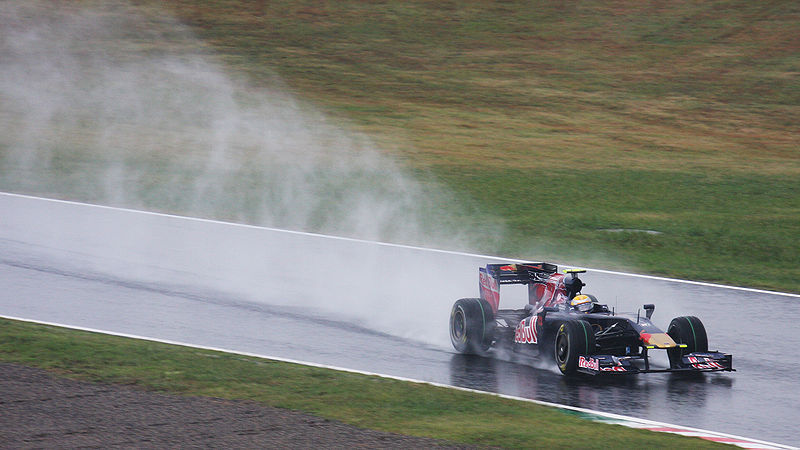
<point x="472" y="325"/>
<point x="687" y="330"/>
<point x="572" y="339"/>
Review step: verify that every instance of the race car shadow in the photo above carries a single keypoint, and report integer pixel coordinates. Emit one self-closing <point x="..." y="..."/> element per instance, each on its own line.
<point x="530" y="378"/>
<point x="581" y="379"/>
<point x="539" y="379"/>
<point x="700" y="377"/>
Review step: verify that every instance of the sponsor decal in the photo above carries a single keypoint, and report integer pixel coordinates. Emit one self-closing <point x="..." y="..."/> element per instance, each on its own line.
<point x="509" y="267"/>
<point x="704" y="363"/>
<point x="490" y="291"/>
<point x="589" y="363"/>
<point x="525" y="332"/>
<point x="488" y="282"/>
<point x="708" y="365"/>
<point x="613" y="369"/>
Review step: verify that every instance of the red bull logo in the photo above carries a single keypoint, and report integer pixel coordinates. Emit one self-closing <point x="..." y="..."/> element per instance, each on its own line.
<point x="490" y="291"/>
<point x="589" y="363"/>
<point x="525" y="332"/>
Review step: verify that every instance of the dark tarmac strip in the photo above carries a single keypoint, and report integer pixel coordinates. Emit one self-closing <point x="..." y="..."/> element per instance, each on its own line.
<point x="39" y="410"/>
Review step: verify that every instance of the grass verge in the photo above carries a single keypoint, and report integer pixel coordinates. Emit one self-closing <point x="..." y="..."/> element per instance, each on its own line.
<point x="558" y="120"/>
<point x="565" y="120"/>
<point x="364" y="401"/>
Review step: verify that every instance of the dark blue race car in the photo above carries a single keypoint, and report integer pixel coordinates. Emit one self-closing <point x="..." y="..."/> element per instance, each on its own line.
<point x="578" y="332"/>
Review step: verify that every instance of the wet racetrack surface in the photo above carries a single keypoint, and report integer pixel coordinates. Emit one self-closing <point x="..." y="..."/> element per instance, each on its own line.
<point x="375" y="308"/>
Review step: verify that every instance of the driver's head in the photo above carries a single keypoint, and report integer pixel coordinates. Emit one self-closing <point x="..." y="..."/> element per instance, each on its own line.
<point x="582" y="303"/>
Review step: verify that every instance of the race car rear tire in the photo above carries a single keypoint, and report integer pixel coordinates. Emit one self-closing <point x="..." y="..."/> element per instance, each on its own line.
<point x="472" y="325"/>
<point x="687" y="330"/>
<point x="573" y="338"/>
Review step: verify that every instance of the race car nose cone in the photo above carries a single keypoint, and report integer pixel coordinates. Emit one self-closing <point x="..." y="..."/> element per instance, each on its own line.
<point x="658" y="340"/>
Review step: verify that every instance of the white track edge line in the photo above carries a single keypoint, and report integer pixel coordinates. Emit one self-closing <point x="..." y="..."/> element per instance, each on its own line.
<point x="620" y="417"/>
<point x="410" y="247"/>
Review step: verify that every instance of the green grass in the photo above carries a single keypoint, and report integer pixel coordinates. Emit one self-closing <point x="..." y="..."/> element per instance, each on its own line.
<point x="364" y="401"/>
<point x="563" y="119"/>
<point x="696" y="218"/>
<point x="551" y="119"/>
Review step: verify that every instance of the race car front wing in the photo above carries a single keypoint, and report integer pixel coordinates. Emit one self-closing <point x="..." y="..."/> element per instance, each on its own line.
<point x="691" y="362"/>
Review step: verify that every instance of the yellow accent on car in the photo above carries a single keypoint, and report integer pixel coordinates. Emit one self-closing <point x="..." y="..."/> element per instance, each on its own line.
<point x="661" y="340"/>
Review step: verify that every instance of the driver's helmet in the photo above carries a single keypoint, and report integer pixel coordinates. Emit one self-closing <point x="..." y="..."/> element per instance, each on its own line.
<point x="582" y="303"/>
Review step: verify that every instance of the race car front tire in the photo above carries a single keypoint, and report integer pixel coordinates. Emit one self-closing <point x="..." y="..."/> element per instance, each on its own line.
<point x="688" y="330"/>
<point x="472" y="325"/>
<point x="573" y="338"/>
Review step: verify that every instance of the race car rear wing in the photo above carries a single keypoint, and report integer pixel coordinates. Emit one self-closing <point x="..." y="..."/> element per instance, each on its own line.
<point x="493" y="275"/>
<point x="521" y="273"/>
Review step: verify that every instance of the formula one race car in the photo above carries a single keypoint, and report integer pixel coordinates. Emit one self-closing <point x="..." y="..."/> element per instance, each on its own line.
<point x="581" y="334"/>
